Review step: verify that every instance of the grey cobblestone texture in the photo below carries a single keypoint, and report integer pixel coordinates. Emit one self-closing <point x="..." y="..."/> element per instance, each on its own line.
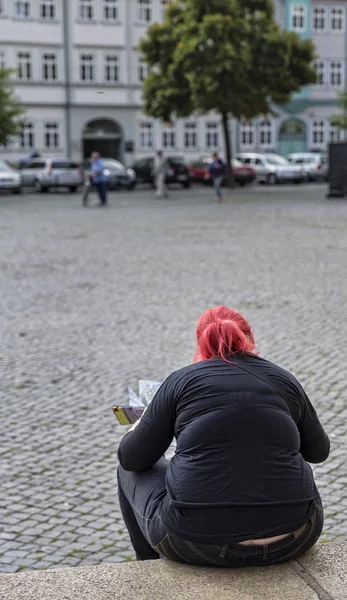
<point x="93" y="300"/>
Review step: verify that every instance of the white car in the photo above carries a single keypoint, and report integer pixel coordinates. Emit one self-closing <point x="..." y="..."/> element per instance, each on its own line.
<point x="314" y="164"/>
<point x="10" y="179"/>
<point x="272" y="168"/>
<point x="44" y="173"/>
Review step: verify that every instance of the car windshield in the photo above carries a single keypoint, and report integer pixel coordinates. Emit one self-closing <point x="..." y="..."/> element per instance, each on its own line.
<point x="4" y="167"/>
<point x="113" y="165"/>
<point x="237" y="163"/>
<point x="276" y="160"/>
<point x="176" y="160"/>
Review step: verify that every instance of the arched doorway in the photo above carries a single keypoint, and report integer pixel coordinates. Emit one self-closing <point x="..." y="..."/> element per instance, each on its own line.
<point x="292" y="137"/>
<point x="104" y="136"/>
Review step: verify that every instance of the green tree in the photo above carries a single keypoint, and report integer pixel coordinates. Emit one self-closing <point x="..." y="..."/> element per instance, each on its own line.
<point x="11" y="109"/>
<point x="226" y="56"/>
<point x="340" y="120"/>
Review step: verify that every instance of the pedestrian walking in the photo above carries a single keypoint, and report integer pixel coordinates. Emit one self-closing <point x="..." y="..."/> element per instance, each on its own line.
<point x="160" y="175"/>
<point x="98" y="177"/>
<point x="217" y="170"/>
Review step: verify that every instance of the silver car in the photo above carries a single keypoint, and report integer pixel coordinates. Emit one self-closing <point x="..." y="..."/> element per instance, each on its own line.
<point x="314" y="164"/>
<point x="44" y="174"/>
<point x="10" y="179"/>
<point x="272" y="168"/>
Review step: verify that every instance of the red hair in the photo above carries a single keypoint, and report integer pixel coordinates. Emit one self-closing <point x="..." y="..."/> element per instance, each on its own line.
<point x="223" y="332"/>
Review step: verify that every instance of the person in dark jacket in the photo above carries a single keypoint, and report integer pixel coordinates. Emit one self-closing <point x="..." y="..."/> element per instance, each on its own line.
<point x="217" y="170"/>
<point x="239" y="490"/>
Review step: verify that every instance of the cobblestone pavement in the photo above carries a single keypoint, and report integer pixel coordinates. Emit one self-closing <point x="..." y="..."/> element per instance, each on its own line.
<point x="94" y="299"/>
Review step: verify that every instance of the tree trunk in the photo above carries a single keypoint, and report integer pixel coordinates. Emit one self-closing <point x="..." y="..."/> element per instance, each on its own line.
<point x="229" y="177"/>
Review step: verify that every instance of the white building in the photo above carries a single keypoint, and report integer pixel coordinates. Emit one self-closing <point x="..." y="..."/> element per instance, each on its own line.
<point x="79" y="75"/>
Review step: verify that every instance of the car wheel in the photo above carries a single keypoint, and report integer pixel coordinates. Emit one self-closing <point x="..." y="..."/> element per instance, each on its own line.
<point x="18" y="190"/>
<point x="132" y="186"/>
<point x="186" y="185"/>
<point x="73" y="188"/>
<point x="242" y="183"/>
<point x="38" y="187"/>
<point x="271" y="178"/>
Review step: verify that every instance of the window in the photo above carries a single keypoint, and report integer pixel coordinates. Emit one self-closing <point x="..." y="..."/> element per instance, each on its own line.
<point x="48" y="10"/>
<point x="169" y="138"/>
<point x="24" y="66"/>
<point x="321" y="72"/>
<point x="163" y="5"/>
<point x="318" y="132"/>
<point x="2" y="60"/>
<point x="51" y="135"/>
<point x="144" y="11"/>
<point x="2" y="7"/>
<point x="22" y="8"/>
<point x="49" y="67"/>
<point x="142" y="70"/>
<point x="111" y="10"/>
<point x="247" y="134"/>
<point x="336" y="73"/>
<point x="319" y="18"/>
<point x="190" y="136"/>
<point x="111" y="68"/>
<point x="298" y="17"/>
<point x="212" y="135"/>
<point x="337" y="19"/>
<point x="87" y="67"/>
<point x="27" y="136"/>
<point x="86" y="10"/>
<point x="336" y="134"/>
<point x="265" y="132"/>
<point x="146" y="135"/>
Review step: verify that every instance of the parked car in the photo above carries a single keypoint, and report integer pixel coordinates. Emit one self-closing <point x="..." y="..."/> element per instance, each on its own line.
<point x="177" y="170"/>
<point x="118" y="175"/>
<point x="44" y="174"/>
<point x="272" y="168"/>
<point x="243" y="174"/>
<point x="315" y="165"/>
<point x="10" y="179"/>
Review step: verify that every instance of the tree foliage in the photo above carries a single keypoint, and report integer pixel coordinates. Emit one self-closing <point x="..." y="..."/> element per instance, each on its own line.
<point x="11" y="109"/>
<point x="340" y="120"/>
<point x="227" y="56"/>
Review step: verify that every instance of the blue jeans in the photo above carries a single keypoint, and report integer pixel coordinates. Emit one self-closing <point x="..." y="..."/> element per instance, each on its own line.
<point x="101" y="186"/>
<point x="140" y="497"/>
<point x="217" y="182"/>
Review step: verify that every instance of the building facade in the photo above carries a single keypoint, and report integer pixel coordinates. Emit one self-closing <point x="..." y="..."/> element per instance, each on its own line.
<point x="79" y="75"/>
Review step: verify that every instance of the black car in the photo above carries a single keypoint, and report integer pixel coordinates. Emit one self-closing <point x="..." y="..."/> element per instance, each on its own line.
<point x="176" y="170"/>
<point x="118" y="175"/>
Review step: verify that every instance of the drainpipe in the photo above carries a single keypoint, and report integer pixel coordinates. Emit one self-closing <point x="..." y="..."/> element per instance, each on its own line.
<point x="67" y="82"/>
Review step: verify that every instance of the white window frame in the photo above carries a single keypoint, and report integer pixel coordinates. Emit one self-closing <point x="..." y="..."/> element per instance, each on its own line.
<point x="146" y="135"/>
<point x="48" y="10"/>
<point x="27" y="137"/>
<point x="318" y="133"/>
<point x="110" y="11"/>
<point x="343" y="19"/>
<point x="87" y="64"/>
<point x="212" y="135"/>
<point x="50" y="68"/>
<point x="22" y="9"/>
<point x="168" y="134"/>
<point x="51" y="135"/>
<point x="144" y="12"/>
<point x="111" y="66"/>
<point x="323" y="70"/>
<point x="298" y="12"/>
<point x="190" y="135"/>
<point x="266" y="134"/>
<point x="142" y="69"/>
<point x="323" y="16"/>
<point x="333" y="85"/>
<point x="247" y="135"/>
<point x="335" y="134"/>
<point x="86" y="11"/>
<point x="24" y="65"/>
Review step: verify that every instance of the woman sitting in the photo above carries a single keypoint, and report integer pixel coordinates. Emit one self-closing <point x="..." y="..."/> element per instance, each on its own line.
<point x="239" y="490"/>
